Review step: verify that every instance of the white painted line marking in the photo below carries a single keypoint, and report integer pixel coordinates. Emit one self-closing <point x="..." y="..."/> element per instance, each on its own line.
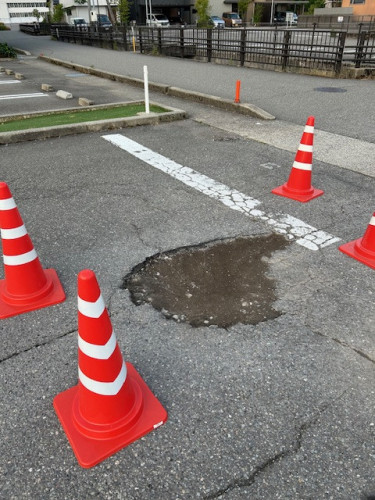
<point x="9" y="81"/>
<point x="22" y="96"/>
<point x="305" y="235"/>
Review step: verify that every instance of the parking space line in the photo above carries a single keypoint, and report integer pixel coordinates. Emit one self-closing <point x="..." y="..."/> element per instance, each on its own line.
<point x="7" y="82"/>
<point x="294" y="229"/>
<point x="22" y="96"/>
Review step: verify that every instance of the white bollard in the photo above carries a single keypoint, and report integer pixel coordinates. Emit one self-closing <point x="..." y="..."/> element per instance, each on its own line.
<point x="147" y="101"/>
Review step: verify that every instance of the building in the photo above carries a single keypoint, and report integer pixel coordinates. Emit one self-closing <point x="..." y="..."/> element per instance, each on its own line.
<point x="360" y="7"/>
<point x="265" y="9"/>
<point x="21" y="11"/>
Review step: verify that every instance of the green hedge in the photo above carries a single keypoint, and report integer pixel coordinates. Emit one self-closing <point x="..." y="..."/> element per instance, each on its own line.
<point x="6" y="51"/>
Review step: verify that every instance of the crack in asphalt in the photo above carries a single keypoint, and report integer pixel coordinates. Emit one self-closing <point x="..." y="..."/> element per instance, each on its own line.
<point x="267" y="464"/>
<point x="50" y="341"/>
<point x="344" y="344"/>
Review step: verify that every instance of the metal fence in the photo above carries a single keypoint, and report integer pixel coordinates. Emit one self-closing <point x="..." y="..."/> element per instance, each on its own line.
<point x="348" y="23"/>
<point x="282" y="48"/>
<point x="36" y="28"/>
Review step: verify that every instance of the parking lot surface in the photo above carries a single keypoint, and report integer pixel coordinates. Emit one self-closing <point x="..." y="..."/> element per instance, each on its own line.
<point x="283" y="408"/>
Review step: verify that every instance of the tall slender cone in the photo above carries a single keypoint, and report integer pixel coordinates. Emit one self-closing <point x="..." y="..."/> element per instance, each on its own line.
<point x="27" y="286"/>
<point x="298" y="187"/>
<point x="111" y="406"/>
<point x="363" y="249"/>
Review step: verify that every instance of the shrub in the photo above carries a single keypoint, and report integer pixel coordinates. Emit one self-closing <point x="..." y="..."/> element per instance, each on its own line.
<point x="6" y="51"/>
<point x="3" y="27"/>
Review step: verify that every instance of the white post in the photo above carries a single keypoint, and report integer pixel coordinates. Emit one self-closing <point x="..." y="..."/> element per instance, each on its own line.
<point x="147" y="101"/>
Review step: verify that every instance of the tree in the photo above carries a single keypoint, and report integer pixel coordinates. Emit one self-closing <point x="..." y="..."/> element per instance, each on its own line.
<point x="315" y="4"/>
<point x="37" y="14"/>
<point x="58" y="13"/>
<point x="124" y="11"/>
<point x="258" y="13"/>
<point x="242" y="8"/>
<point x="203" y="12"/>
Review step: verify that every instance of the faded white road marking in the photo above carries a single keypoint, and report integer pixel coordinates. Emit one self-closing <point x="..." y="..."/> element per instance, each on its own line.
<point x="22" y="96"/>
<point x="7" y="82"/>
<point x="305" y="235"/>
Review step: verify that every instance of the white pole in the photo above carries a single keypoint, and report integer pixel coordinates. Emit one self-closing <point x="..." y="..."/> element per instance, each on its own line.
<point x="147" y="101"/>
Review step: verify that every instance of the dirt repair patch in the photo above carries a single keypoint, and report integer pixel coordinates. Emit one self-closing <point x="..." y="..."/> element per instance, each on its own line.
<point x="217" y="283"/>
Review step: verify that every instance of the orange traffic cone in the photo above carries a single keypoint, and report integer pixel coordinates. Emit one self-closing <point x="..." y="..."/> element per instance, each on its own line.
<point x="363" y="249"/>
<point x="27" y="286"/>
<point x="111" y="406"/>
<point x="298" y="187"/>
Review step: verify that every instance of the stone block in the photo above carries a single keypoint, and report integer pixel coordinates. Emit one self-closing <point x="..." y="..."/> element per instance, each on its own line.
<point x="19" y="76"/>
<point x="64" y="95"/>
<point x="83" y="101"/>
<point x="46" y="87"/>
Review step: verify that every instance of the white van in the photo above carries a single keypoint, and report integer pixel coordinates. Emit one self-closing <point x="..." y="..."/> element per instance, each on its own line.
<point x="158" y="20"/>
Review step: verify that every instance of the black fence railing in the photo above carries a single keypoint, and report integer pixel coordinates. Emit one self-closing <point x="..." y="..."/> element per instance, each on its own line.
<point x="282" y="48"/>
<point x="36" y="28"/>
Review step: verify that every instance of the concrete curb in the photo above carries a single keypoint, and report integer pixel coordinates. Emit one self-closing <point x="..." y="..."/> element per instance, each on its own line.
<point x="80" y="128"/>
<point x="23" y="52"/>
<point x="226" y="104"/>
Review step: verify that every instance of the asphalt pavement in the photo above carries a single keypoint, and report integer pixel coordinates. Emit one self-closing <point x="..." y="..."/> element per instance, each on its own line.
<point x="279" y="409"/>
<point x="289" y="97"/>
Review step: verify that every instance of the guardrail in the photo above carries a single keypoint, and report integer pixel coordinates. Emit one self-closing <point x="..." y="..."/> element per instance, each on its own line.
<point x="282" y="48"/>
<point x="36" y="28"/>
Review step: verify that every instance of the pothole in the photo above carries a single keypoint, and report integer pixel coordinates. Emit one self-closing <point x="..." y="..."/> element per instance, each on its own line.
<point x="217" y="283"/>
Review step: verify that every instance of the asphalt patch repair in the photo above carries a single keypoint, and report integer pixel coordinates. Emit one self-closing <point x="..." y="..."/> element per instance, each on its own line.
<point x="222" y="282"/>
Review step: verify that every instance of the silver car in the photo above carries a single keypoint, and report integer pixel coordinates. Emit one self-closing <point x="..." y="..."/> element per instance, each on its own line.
<point x="217" y="22"/>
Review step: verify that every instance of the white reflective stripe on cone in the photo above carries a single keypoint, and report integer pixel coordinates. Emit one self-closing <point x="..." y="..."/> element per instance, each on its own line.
<point x="372" y="221"/>
<point x="17" y="260"/>
<point x="7" y="204"/>
<point x="97" y="351"/>
<point x="91" y="309"/>
<point x="12" y="234"/>
<point x="104" y="388"/>
<point x="306" y="148"/>
<point x="302" y="166"/>
<point x="309" y="129"/>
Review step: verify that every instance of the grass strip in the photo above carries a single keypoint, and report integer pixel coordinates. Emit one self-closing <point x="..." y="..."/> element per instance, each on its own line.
<point x="70" y="117"/>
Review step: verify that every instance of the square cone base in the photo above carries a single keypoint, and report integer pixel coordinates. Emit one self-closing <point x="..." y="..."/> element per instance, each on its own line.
<point x="281" y="191"/>
<point x="90" y="451"/>
<point x="55" y="296"/>
<point x="350" y="250"/>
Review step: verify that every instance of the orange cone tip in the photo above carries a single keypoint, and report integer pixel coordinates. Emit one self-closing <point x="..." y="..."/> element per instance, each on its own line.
<point x="298" y="187"/>
<point x="111" y="406"/>
<point x="26" y="286"/>
<point x="363" y="249"/>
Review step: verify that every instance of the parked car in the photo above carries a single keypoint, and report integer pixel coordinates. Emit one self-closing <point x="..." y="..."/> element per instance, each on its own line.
<point x="176" y="21"/>
<point x="217" y="22"/>
<point x="280" y="18"/>
<point x="158" y="20"/>
<point x="232" y="19"/>
<point x="79" y="23"/>
<point x="101" y="21"/>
